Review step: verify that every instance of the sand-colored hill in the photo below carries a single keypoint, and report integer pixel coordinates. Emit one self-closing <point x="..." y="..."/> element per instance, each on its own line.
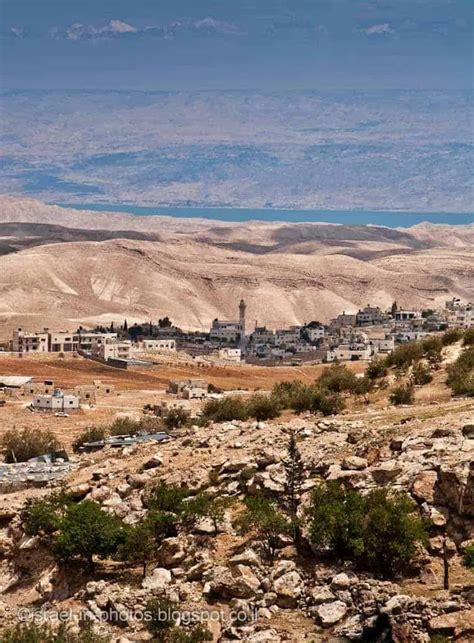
<point x="196" y="270"/>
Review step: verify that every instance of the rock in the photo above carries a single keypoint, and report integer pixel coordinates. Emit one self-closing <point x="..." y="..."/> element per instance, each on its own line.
<point x="159" y="579"/>
<point x="354" y="462"/>
<point x="247" y="557"/>
<point x="396" y="604"/>
<point x="154" y="462"/>
<point x="100" y="494"/>
<point x="455" y="624"/>
<point x="340" y="581"/>
<point x="331" y="613"/>
<point x="138" y="480"/>
<point x="386" y="472"/>
<point x="283" y="567"/>
<point x="240" y="582"/>
<point x="468" y="431"/>
<point x="321" y="595"/>
<point x="424" y="484"/>
<point x="263" y="636"/>
<point x="171" y="552"/>
<point x="79" y="491"/>
<point x="288" y="589"/>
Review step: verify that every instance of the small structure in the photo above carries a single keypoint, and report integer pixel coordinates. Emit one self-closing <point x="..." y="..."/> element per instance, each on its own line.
<point x="189" y="389"/>
<point x="230" y="354"/>
<point x="14" y="381"/>
<point x="58" y="401"/>
<point x="159" y="345"/>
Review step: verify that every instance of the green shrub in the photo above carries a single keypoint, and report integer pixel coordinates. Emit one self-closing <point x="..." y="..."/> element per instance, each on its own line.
<point x="90" y="434"/>
<point x="124" y="426"/>
<point x="225" y="410"/>
<point x="376" y="369"/>
<point x="461" y="373"/>
<point x="176" y="418"/>
<point x="468" y="337"/>
<point x="139" y="545"/>
<point x="32" y="632"/>
<point x="20" y="446"/>
<point x="86" y="531"/>
<point x="263" y="407"/>
<point x="379" y="530"/>
<point x="468" y="558"/>
<point x="337" y="379"/>
<point x="206" y="506"/>
<point x="452" y="336"/>
<point x="168" y="497"/>
<point x="42" y="516"/>
<point x="263" y="518"/>
<point x="316" y="400"/>
<point x="402" y="395"/>
<point x="405" y="355"/>
<point x="287" y="392"/>
<point x="161" y="616"/>
<point x="432" y="348"/>
<point x="421" y="374"/>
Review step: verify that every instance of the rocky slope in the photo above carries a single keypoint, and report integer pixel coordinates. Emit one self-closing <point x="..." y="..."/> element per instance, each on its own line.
<point x="290" y="599"/>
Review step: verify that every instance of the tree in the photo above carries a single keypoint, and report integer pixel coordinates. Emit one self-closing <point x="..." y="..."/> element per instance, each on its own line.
<point x="168" y="497"/>
<point x="139" y="545"/>
<point x="90" y="434"/>
<point x="421" y="374"/>
<point x="262" y="517"/>
<point x="20" y="446"/>
<point x="338" y="378"/>
<point x="376" y="369"/>
<point x="42" y="516"/>
<point x="176" y="418"/>
<point x="461" y="373"/>
<point x="294" y="478"/>
<point x="402" y="395"/>
<point x="263" y="407"/>
<point x="468" y="558"/>
<point x="86" y="531"/>
<point x="224" y="410"/>
<point x="165" y="322"/>
<point x="206" y="506"/>
<point x="381" y="531"/>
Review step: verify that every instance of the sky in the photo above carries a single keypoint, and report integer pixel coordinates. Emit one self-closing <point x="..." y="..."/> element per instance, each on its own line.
<point x="189" y="45"/>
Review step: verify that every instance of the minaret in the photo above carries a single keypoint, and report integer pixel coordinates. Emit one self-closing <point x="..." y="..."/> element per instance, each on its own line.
<point x="242" y="308"/>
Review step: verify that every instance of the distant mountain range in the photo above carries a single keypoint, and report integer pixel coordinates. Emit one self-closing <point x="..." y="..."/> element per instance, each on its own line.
<point x="61" y="267"/>
<point x="399" y="150"/>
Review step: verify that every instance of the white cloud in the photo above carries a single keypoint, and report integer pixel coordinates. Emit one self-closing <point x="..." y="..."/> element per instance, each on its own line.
<point x="211" y="25"/>
<point x="80" y="31"/>
<point x="380" y="29"/>
<point x="18" y="32"/>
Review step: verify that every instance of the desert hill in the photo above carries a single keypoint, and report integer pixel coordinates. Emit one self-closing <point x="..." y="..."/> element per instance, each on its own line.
<point x="62" y="267"/>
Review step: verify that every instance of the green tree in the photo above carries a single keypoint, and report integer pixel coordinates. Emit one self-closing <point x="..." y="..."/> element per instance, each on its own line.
<point x="402" y="395"/>
<point x="90" y="434"/>
<point x="421" y="374"/>
<point x="468" y="558"/>
<point x="225" y="410"/>
<point x="263" y="407"/>
<point x="87" y="531"/>
<point x="380" y="530"/>
<point x="337" y="379"/>
<point x="294" y="478"/>
<point x="461" y="373"/>
<point x="139" y="545"/>
<point x="376" y="369"/>
<point x="20" y="446"/>
<point x="266" y="521"/>
<point x="176" y="418"/>
<point x="42" y="516"/>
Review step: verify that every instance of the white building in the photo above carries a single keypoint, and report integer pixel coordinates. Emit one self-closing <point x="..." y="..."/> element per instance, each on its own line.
<point x="230" y="354"/>
<point x="58" y="401"/>
<point x="160" y="345"/>
<point x="348" y="353"/>
<point x="461" y="316"/>
<point x="230" y="331"/>
<point x="24" y="342"/>
<point x="112" y="349"/>
<point x="406" y="315"/>
<point x="315" y="332"/>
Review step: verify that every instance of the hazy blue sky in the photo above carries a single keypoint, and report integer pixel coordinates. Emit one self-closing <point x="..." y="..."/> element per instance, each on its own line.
<point x="264" y="44"/>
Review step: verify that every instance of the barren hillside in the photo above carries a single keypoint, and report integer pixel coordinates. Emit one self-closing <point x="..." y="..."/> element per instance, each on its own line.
<point x="77" y="270"/>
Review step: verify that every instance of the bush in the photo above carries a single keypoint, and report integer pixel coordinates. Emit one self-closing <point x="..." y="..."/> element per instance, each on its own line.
<point x="91" y="434"/>
<point x="262" y="517"/>
<point x="86" y="531"/>
<point x="139" y="545"/>
<point x="380" y="531"/>
<point x="405" y="355"/>
<point x="43" y="633"/>
<point x="20" y="446"/>
<point x="452" y="336"/>
<point x="206" y="506"/>
<point x="461" y="373"/>
<point x="168" y="497"/>
<point x="316" y="400"/>
<point x="421" y="374"/>
<point x="402" y="395"/>
<point x="338" y="378"/>
<point x="263" y="407"/>
<point x="225" y="410"/>
<point x="287" y="392"/>
<point x="161" y="622"/>
<point x="468" y="558"/>
<point x="432" y="348"/>
<point x="376" y="369"/>
<point x="176" y="418"/>
<point x="469" y="337"/>
<point x="42" y="516"/>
